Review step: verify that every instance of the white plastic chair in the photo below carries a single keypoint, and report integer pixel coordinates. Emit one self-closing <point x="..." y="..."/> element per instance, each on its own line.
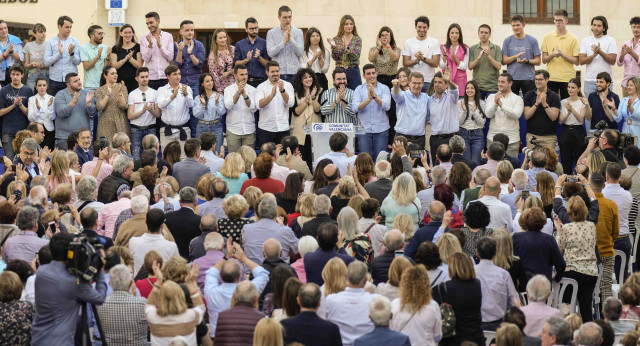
<point x="623" y="266"/>
<point x="559" y="288"/>
<point x="618" y="338"/>
<point x="634" y="250"/>
<point x="596" y="293"/>
<point x="488" y="336"/>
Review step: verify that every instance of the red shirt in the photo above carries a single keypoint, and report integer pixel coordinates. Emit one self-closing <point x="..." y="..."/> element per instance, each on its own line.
<point x="265" y="185"/>
<point x="145" y="287"/>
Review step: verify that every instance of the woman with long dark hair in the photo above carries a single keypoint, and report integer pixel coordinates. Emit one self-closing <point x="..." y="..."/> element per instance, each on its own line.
<point x="472" y="118"/>
<point x="455" y="55"/>
<point x="209" y="108"/>
<point x="306" y="109"/>
<point x="316" y="57"/>
<point x="126" y="57"/>
<point x="293" y="187"/>
<point x="220" y="60"/>
<point x="572" y="115"/>
<point x="111" y="102"/>
<point x="345" y="49"/>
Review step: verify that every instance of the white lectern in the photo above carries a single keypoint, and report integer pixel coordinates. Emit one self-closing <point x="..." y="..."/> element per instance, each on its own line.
<point x="321" y="132"/>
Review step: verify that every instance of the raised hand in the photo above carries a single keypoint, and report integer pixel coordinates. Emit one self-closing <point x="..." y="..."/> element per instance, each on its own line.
<point x="584" y="100"/>
<point x="175" y="92"/>
<point x="331" y="42"/>
<point x="129" y="56"/>
<point x="164" y="172"/>
<point x="249" y="55"/>
<point x="217" y="98"/>
<point x="89" y="97"/>
<point x="60" y="47"/>
<point x="99" y="55"/>
<point x="190" y="47"/>
<point x="281" y="85"/>
<point x="498" y="99"/>
<point x="538" y="98"/>
<point x="203" y="102"/>
<point x="157" y="271"/>
<point x="38" y="103"/>
<point x="109" y="52"/>
<point x="71" y="47"/>
<point x="447" y="74"/>
<point x="180" y="45"/>
<point x="150" y="40"/>
<point x="486" y="51"/>
<point x="395" y="82"/>
<point x="76" y="98"/>
<point x="221" y="153"/>
<point x="314" y="91"/>
<point x="202" y="160"/>
<point x="256" y="54"/>
<point x="274" y="89"/>
<point x="184" y="90"/>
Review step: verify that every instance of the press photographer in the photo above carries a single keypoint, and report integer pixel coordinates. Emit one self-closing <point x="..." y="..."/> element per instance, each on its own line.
<point x="59" y="296"/>
<point x="607" y="142"/>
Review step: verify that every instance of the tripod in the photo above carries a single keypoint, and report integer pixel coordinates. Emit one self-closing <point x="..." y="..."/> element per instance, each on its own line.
<point x="86" y="337"/>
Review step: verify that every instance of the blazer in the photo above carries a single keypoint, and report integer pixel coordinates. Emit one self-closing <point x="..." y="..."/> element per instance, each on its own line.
<point x="188" y="171"/>
<point x="380" y="267"/>
<point x="184" y="225"/>
<point x="423" y="234"/>
<point x="309" y="329"/>
<point x="459" y="158"/>
<point x="311" y="227"/>
<point x="315" y="261"/>
<point x="383" y="336"/>
<point x="82" y="156"/>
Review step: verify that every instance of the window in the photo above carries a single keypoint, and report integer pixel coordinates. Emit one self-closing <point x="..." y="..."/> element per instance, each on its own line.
<point x="539" y="11"/>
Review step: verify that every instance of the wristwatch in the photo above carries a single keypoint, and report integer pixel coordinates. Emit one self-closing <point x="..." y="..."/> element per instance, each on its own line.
<point x="283" y="91"/>
<point x="246" y="98"/>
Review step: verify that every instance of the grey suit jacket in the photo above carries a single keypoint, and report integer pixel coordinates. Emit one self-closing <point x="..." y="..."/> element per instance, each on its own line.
<point x="188" y="171"/>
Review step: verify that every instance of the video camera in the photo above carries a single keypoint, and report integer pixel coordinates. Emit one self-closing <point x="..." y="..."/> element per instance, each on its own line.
<point x="624" y="139"/>
<point x="600" y="126"/>
<point x="84" y="259"/>
<point x="536" y="145"/>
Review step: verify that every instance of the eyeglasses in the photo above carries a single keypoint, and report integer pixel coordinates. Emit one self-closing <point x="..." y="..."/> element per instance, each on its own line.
<point x="29" y="153"/>
<point x="144" y="97"/>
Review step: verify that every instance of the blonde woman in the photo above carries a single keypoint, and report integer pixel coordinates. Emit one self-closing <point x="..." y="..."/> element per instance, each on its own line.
<point x="404" y="223"/>
<point x="347" y="188"/>
<point x="506" y="260"/>
<point x="415" y="313"/>
<point x="248" y="156"/>
<point x="307" y="212"/>
<point x="448" y="244"/>
<point x="60" y="170"/>
<point x="595" y="158"/>
<point x="233" y="172"/>
<point x="234" y="207"/>
<point x="268" y="332"/>
<point x="508" y="335"/>
<point x="166" y="309"/>
<point x="74" y="165"/>
<point x="503" y="172"/>
<point x="334" y="277"/>
<point x="221" y="60"/>
<point x="390" y="288"/>
<point x="403" y="199"/>
<point x="356" y="244"/>
<point x="253" y="196"/>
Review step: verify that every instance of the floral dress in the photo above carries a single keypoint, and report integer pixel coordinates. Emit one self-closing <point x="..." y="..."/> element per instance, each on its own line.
<point x="225" y="64"/>
<point x="113" y="117"/>
<point x="15" y="322"/>
<point x="360" y="248"/>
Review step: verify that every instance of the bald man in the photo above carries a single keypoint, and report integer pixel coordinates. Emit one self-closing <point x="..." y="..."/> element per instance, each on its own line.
<point x="332" y="174"/>
<point x="500" y="212"/>
<point x="437" y="212"/>
<point x="272" y="251"/>
<point x="394" y="243"/>
<point x="236" y="325"/>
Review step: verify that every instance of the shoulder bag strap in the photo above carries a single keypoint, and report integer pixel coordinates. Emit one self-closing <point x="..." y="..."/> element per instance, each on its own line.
<point x="83" y="205"/>
<point x="7" y="237"/>
<point x="437" y="277"/>
<point x="406" y="322"/>
<point x="634" y="173"/>
<point x="370" y="227"/>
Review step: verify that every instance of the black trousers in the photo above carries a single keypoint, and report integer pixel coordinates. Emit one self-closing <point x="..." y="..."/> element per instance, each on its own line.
<point x="522" y="85"/>
<point x="586" y="284"/>
<point x="267" y="136"/>
<point x="157" y="84"/>
<point x="571" y="145"/>
<point x="560" y="88"/>
<point x="419" y="140"/>
<point x="391" y="113"/>
<point x="434" y="142"/>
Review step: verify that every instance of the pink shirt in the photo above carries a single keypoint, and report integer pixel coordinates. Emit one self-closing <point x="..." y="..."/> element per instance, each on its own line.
<point x="109" y="214"/>
<point x="105" y="169"/>
<point x="157" y="59"/>
<point x="298" y="266"/>
<point x="631" y="66"/>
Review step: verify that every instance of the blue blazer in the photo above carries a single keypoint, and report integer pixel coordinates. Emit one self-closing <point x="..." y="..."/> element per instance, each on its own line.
<point x="423" y="234"/>
<point x="309" y="329"/>
<point x="383" y="336"/>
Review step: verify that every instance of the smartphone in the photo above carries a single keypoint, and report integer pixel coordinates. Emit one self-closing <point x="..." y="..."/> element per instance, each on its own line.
<point x="415" y="154"/>
<point x="13" y="168"/>
<point x="524" y="195"/>
<point x="52" y="225"/>
<point x="64" y="208"/>
<point x="104" y="143"/>
<point x="18" y="194"/>
<point x="2" y="160"/>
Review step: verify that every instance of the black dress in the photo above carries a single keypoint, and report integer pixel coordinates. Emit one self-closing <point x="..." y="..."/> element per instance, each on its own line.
<point x="127" y="72"/>
<point x="465" y="297"/>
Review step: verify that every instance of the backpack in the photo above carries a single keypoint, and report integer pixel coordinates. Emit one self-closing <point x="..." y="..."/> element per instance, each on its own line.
<point x="448" y="316"/>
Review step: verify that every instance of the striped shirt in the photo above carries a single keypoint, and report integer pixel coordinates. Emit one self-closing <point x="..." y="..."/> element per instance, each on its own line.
<point x="342" y="113"/>
<point x="286" y="55"/>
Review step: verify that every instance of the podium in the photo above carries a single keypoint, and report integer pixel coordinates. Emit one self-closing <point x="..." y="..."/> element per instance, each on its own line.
<point x="321" y="132"/>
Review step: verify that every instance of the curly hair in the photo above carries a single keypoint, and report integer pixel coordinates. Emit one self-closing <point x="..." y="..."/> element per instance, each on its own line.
<point x="149" y="175"/>
<point x="262" y="166"/>
<point x="364" y="167"/>
<point x="476" y="215"/>
<point x="428" y="255"/>
<point x="532" y="219"/>
<point x="413" y="295"/>
<point x="20" y="137"/>
<point x="347" y="186"/>
<point x="253" y="195"/>
<point x="176" y="269"/>
<point x="459" y="177"/>
<point x="235" y="206"/>
<point x="552" y="159"/>
<point x="298" y="86"/>
<point x="398" y="266"/>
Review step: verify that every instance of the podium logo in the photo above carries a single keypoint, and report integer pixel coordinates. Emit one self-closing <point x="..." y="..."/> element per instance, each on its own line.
<point x="318" y="127"/>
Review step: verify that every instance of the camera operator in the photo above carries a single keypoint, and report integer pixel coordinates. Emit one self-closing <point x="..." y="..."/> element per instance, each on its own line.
<point x="607" y="143"/>
<point x="59" y="296"/>
<point x="535" y="165"/>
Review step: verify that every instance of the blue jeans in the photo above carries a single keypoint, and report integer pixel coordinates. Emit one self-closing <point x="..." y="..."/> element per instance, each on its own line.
<point x="193" y="121"/>
<point x="473" y="142"/>
<point x="373" y="143"/>
<point x="136" y="139"/>
<point x="31" y="79"/>
<point x="353" y="77"/>
<point x="484" y="94"/>
<point x="287" y="77"/>
<point x="215" y="128"/>
<point x="624" y="245"/>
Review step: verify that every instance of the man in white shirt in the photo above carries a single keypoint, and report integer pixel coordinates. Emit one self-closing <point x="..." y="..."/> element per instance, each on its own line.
<point x="143" y="111"/>
<point x="339" y="154"/>
<point x="598" y="52"/>
<point x="239" y="99"/>
<point x="274" y="98"/>
<point x="500" y="212"/>
<point x="174" y="100"/>
<point x="504" y="108"/>
<point x="349" y="309"/>
<point x="207" y="147"/>
<point x="422" y="53"/>
<point x="623" y="199"/>
<point x="153" y="240"/>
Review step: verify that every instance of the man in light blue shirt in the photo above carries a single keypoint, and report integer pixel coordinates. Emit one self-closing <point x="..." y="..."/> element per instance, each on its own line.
<point x="443" y="111"/>
<point x="285" y="44"/>
<point x="519" y="182"/>
<point x="537" y="164"/>
<point x="371" y="101"/>
<point x="61" y="55"/>
<point x="623" y="199"/>
<point x="411" y="109"/>
<point x="218" y="296"/>
<point x="340" y="154"/>
<point x="93" y="56"/>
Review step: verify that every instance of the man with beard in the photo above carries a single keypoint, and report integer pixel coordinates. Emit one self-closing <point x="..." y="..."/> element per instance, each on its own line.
<point x="603" y="103"/>
<point x="93" y="56"/>
<point x="335" y="102"/>
<point x="252" y="53"/>
<point x="412" y="105"/>
<point x="143" y="111"/>
<point x="371" y="101"/>
<point x="274" y="97"/>
<point x="240" y="104"/>
<point x="74" y="107"/>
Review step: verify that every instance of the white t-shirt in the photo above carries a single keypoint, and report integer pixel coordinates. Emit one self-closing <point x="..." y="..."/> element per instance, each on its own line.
<point x="137" y="100"/>
<point x="597" y="65"/>
<point x="577" y="106"/>
<point x="429" y="47"/>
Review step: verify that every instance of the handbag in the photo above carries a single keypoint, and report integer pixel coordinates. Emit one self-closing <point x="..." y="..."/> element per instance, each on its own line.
<point x="448" y="315"/>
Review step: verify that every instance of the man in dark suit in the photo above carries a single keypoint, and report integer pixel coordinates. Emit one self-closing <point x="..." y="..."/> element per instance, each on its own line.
<point x="322" y="206"/>
<point x="328" y="239"/>
<point x="28" y="158"/>
<point x="393" y="241"/>
<point x="307" y="328"/>
<point x="83" y="149"/>
<point x="380" y="314"/>
<point x="151" y="142"/>
<point x="458" y="147"/>
<point x="184" y="224"/>
<point x="426" y="233"/>
<point x="188" y="171"/>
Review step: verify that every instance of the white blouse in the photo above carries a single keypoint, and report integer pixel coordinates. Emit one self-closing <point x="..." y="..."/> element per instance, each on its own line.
<point x="45" y="115"/>
<point x="307" y="56"/>
<point x="475" y="120"/>
<point x="577" y="106"/>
